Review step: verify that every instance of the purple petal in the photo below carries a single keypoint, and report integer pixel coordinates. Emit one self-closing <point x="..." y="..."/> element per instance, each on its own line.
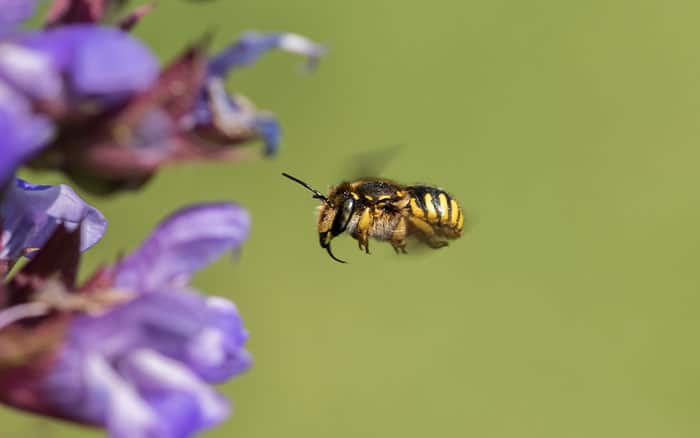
<point x="163" y="321"/>
<point x="183" y="244"/>
<point x="234" y="118"/>
<point x="145" y="394"/>
<point x="269" y="129"/>
<point x="206" y="333"/>
<point x="22" y="134"/>
<point x="217" y="352"/>
<point x="179" y="408"/>
<point x="97" y="60"/>
<point x="157" y="375"/>
<point x="14" y="12"/>
<point x="113" y="62"/>
<point x="131" y="368"/>
<point x="31" y="72"/>
<point x="253" y="44"/>
<point x="30" y="214"/>
<point x="109" y="400"/>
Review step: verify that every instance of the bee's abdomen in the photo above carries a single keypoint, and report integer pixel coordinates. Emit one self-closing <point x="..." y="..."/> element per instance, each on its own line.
<point x="438" y="208"/>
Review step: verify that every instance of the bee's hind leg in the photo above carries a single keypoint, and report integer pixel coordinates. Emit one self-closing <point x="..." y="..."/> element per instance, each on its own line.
<point x="436" y="243"/>
<point x="399" y="249"/>
<point x="426" y="233"/>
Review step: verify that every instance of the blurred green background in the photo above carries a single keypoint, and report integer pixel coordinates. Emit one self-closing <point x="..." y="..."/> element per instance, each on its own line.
<point x="568" y="130"/>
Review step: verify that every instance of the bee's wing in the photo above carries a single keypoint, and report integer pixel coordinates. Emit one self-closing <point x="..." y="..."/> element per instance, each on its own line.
<point x="371" y="163"/>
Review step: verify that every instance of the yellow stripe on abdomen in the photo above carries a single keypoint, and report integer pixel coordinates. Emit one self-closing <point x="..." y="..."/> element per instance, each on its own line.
<point x="444" y="209"/>
<point x="429" y="207"/>
<point x="460" y="221"/>
<point x="454" y="212"/>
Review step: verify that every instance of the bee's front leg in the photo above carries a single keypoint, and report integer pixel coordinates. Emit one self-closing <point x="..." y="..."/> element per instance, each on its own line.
<point x="362" y="230"/>
<point x="363" y="243"/>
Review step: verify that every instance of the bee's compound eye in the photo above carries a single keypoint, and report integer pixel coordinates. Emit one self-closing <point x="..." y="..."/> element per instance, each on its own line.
<point x="342" y="217"/>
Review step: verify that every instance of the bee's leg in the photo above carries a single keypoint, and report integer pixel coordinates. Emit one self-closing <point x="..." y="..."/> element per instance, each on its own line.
<point x="398" y="237"/>
<point x="399" y="247"/>
<point x="437" y="243"/>
<point x="364" y="244"/>
<point x="427" y="233"/>
<point x="362" y="230"/>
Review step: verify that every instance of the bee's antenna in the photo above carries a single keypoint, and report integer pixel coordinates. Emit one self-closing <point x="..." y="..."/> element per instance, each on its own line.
<point x="317" y="194"/>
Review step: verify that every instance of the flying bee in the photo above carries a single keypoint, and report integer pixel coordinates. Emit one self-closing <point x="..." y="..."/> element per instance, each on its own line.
<point x="386" y="211"/>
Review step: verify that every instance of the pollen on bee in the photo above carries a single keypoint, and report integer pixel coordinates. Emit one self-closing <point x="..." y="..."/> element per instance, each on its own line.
<point x="365" y="220"/>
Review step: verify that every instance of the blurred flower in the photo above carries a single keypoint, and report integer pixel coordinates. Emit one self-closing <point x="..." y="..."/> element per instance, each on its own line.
<point x="22" y="133"/>
<point x="185" y="114"/>
<point x="106" y="116"/>
<point x="30" y="214"/>
<point x="134" y="349"/>
<point x="79" y="70"/>
<point x="52" y="80"/>
<point x="232" y="118"/>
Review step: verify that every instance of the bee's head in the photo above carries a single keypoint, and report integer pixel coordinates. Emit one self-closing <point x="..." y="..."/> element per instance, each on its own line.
<point x="334" y="215"/>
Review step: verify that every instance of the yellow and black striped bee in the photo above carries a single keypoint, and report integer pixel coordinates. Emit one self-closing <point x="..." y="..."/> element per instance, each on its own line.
<point x="388" y="211"/>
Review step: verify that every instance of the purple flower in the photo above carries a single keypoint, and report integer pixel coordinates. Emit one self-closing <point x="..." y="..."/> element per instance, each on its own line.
<point x="108" y="118"/>
<point x="186" y="114"/>
<point x="135" y="350"/>
<point x="182" y="245"/>
<point x="232" y="116"/>
<point x="66" y="67"/>
<point x="30" y="214"/>
<point x="50" y="80"/>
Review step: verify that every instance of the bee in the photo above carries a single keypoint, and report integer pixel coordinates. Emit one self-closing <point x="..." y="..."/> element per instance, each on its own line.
<point x="387" y="211"/>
